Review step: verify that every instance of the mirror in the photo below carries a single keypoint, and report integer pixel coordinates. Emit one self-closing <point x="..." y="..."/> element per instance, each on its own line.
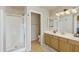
<point x="50" y="23"/>
<point x="78" y="24"/>
<point x="53" y="24"/>
<point x="66" y="24"/>
<point x="62" y="24"/>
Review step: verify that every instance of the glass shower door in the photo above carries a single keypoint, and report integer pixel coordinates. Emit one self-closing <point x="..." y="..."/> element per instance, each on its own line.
<point x="14" y="33"/>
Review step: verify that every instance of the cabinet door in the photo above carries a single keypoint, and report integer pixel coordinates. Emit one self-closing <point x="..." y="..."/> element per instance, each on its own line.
<point x="76" y="48"/>
<point x="75" y="45"/>
<point x="54" y="42"/>
<point x="64" y="46"/>
<point x="73" y="42"/>
<point x="47" y="39"/>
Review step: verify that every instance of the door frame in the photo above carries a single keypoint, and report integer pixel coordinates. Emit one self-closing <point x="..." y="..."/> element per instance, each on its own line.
<point x="37" y="12"/>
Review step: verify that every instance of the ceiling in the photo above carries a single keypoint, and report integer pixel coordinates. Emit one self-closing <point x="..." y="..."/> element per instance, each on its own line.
<point x="16" y="7"/>
<point x="55" y="8"/>
<point x="50" y="8"/>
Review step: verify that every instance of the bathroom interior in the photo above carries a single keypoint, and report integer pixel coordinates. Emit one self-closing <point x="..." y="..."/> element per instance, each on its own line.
<point x="39" y="29"/>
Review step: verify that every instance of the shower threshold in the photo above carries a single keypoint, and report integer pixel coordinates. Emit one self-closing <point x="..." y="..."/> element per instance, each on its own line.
<point x="17" y="50"/>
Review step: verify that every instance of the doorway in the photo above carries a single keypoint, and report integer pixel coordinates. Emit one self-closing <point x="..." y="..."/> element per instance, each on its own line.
<point x="35" y="31"/>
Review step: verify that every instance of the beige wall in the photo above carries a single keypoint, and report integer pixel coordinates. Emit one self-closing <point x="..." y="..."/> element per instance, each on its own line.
<point x="17" y="10"/>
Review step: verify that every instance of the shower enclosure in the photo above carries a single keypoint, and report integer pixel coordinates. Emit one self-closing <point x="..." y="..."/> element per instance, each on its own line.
<point x="13" y="29"/>
<point x="14" y="35"/>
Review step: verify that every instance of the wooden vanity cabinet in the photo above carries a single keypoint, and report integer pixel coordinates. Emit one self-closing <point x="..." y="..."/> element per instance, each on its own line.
<point x="47" y="39"/>
<point x="54" y="42"/>
<point x="61" y="44"/>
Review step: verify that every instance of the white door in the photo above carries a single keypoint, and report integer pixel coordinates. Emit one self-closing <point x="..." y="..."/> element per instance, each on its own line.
<point x="14" y="34"/>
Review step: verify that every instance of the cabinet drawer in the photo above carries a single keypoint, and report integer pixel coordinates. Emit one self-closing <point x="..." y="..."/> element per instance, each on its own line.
<point x="63" y="39"/>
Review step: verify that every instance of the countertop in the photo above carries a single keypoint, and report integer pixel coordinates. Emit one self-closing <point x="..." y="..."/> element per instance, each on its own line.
<point x="65" y="35"/>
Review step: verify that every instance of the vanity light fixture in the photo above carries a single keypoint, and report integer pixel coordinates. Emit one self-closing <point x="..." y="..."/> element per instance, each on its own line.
<point x="67" y="11"/>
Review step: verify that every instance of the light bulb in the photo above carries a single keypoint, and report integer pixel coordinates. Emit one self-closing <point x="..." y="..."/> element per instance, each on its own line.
<point x="62" y="13"/>
<point x="67" y="12"/>
<point x="57" y="14"/>
<point x="74" y="11"/>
